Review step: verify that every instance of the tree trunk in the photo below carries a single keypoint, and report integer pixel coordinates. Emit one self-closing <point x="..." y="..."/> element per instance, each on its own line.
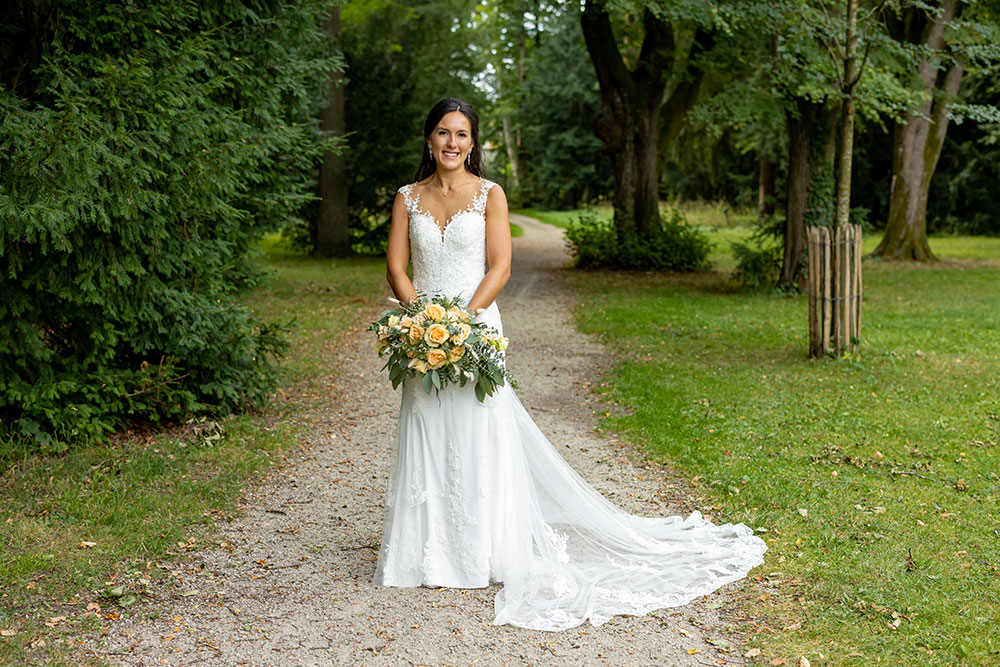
<point x="800" y="132"/>
<point x="765" y="187"/>
<point x="630" y="121"/>
<point x="332" y="238"/>
<point x="508" y="139"/>
<point x="847" y="118"/>
<point x="916" y="148"/>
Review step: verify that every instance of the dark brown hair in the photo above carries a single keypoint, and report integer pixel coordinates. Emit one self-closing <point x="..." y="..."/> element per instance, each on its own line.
<point x="437" y="112"/>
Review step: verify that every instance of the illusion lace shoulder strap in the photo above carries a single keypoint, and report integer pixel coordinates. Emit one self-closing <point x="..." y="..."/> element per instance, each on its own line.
<point x="407" y="192"/>
<point x="479" y="201"/>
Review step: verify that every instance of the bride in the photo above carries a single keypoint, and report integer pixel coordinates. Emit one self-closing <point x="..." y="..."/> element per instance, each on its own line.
<point x="476" y="493"/>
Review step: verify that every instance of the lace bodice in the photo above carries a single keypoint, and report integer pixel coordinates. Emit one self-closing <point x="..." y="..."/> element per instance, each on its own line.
<point x="449" y="260"/>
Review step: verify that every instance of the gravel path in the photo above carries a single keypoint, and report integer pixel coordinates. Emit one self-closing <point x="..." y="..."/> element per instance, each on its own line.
<point x="292" y="585"/>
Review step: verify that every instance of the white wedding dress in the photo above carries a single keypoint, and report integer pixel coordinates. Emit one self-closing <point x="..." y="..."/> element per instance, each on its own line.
<point x="477" y="494"/>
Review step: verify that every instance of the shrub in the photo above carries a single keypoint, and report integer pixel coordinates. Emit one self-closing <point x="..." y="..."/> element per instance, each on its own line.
<point x="670" y="246"/>
<point x="759" y="260"/>
<point x="143" y="152"/>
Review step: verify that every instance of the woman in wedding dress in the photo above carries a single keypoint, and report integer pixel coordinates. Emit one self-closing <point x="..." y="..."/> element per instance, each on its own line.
<point x="476" y="493"/>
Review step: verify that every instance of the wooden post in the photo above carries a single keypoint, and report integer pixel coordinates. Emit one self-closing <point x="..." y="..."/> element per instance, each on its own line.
<point x="834" y="288"/>
<point x="812" y="286"/>
<point x="827" y="279"/>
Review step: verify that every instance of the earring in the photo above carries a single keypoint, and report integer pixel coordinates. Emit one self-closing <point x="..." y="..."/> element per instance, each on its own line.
<point x="468" y="158"/>
<point x="430" y="153"/>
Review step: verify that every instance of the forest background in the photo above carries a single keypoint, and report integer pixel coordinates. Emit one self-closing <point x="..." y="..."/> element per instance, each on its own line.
<point x="142" y="164"/>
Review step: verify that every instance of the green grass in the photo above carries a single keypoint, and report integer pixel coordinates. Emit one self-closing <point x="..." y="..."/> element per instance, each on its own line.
<point x="705" y="217"/>
<point x="847" y="467"/>
<point x="698" y="214"/>
<point x="71" y="524"/>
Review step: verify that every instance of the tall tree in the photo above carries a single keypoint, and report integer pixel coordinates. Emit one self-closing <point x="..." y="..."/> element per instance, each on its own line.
<point x="332" y="238"/>
<point x="917" y="141"/>
<point x="637" y="110"/>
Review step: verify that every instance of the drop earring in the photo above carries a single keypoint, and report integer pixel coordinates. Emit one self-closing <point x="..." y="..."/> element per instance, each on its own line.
<point x="430" y="153"/>
<point x="468" y="158"/>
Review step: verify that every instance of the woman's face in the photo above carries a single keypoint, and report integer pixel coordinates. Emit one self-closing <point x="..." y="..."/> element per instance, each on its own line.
<point x="451" y="140"/>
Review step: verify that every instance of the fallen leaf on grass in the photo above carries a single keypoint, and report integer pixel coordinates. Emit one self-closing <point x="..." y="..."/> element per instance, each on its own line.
<point x="87" y="545"/>
<point x="752" y="653"/>
<point x="93" y="606"/>
<point x="793" y="627"/>
<point x="778" y="661"/>
<point x="7" y="633"/>
<point x="804" y="662"/>
<point x="54" y="621"/>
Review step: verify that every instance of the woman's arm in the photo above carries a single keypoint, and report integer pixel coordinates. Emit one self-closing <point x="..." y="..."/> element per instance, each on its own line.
<point x="497" y="250"/>
<point x="397" y="253"/>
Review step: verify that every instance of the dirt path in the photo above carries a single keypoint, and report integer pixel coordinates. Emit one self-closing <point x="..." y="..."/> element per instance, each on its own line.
<point x="294" y="587"/>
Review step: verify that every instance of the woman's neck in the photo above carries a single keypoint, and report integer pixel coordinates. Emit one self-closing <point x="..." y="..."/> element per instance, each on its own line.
<point x="447" y="180"/>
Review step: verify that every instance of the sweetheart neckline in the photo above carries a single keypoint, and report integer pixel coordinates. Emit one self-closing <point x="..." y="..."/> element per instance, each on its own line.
<point x="469" y="208"/>
<point x="421" y="213"/>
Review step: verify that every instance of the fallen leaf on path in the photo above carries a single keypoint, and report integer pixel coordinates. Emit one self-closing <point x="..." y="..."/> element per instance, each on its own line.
<point x="692" y="651"/>
<point x="752" y="653"/>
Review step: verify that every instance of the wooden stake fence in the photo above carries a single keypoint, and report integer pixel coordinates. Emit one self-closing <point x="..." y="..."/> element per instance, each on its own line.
<point x="835" y="288"/>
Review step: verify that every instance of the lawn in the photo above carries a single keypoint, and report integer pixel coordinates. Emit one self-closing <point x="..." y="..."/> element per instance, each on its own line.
<point x="873" y="479"/>
<point x="91" y="526"/>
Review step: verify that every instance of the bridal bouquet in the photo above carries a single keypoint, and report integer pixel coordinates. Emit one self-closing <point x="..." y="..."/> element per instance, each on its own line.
<point x="437" y="341"/>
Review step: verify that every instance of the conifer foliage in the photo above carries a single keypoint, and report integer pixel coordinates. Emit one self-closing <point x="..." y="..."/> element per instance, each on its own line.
<point x="144" y="149"/>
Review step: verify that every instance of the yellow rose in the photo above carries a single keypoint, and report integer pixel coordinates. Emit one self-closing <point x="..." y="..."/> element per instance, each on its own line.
<point x="457" y="313"/>
<point x="434" y="311"/>
<point x="456" y="354"/>
<point x="436" y="357"/>
<point x="436" y="334"/>
<point x="405" y="321"/>
<point x="416" y="331"/>
<point x="463" y="332"/>
<point x="420" y="365"/>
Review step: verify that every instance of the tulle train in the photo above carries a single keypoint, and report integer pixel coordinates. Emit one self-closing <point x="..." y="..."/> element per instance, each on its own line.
<point x="478" y="494"/>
